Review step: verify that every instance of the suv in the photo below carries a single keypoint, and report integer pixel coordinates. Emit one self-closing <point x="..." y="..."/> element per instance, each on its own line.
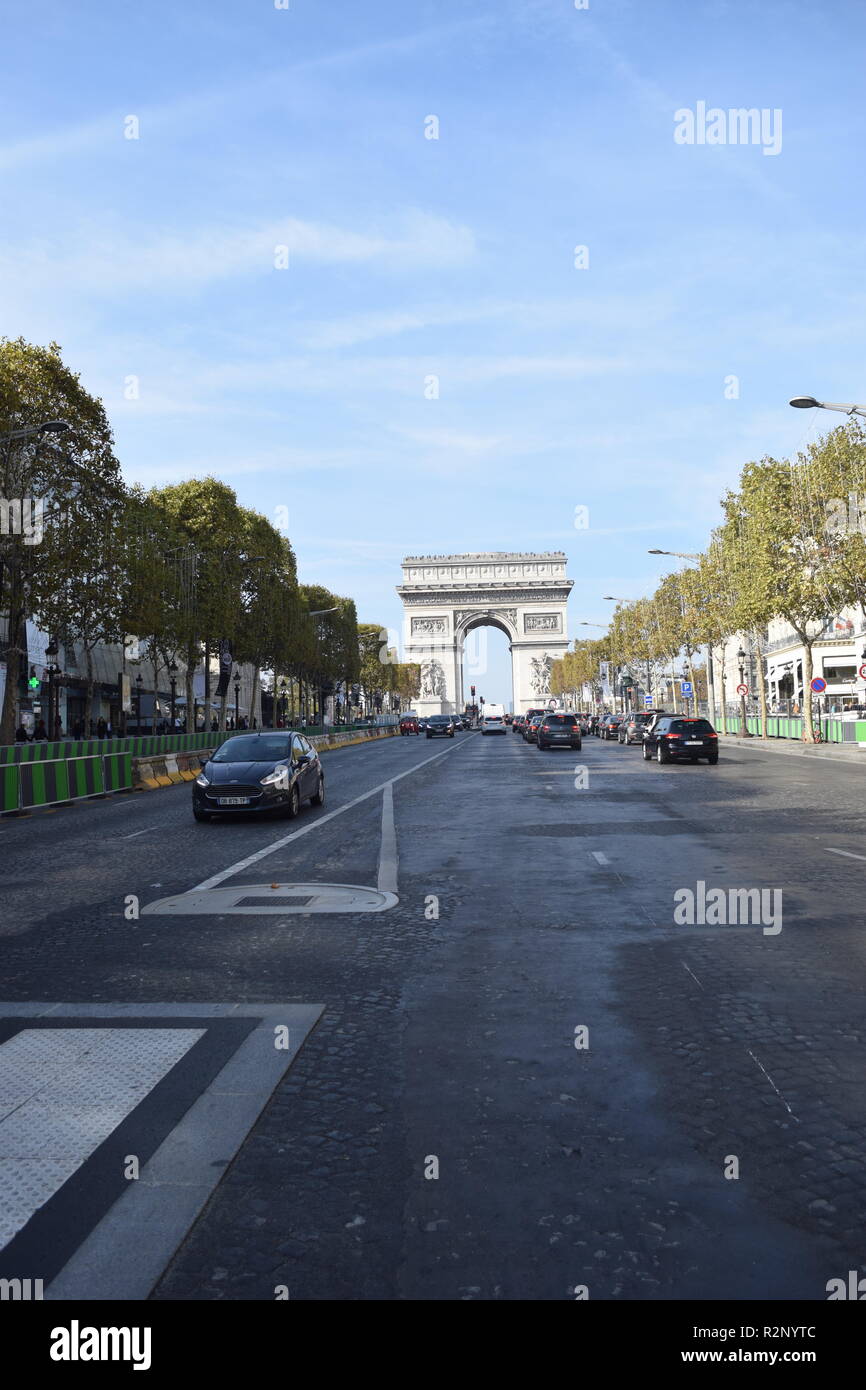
<point x="559" y="730"/>
<point x="674" y="736"/>
<point x="631" y="730"/>
<point x="409" y="723"/>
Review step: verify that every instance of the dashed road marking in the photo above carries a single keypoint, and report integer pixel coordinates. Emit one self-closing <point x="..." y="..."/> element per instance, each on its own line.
<point x="847" y="853"/>
<point x="601" y="858"/>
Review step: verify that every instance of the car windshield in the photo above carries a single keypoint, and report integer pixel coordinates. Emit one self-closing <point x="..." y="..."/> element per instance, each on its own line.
<point x="257" y="748"/>
<point x="439" y="719"/>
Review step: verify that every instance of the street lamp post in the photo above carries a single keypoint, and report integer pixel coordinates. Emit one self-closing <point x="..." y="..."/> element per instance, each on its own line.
<point x="744" y="729"/>
<point x="810" y="403"/>
<point x="138" y="684"/>
<point x="172" y="672"/>
<point x="237" y="697"/>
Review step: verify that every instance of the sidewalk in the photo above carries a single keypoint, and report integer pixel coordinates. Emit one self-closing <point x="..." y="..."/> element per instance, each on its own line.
<point x="835" y="752"/>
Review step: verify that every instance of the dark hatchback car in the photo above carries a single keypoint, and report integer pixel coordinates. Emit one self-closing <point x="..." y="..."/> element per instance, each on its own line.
<point x="530" y="728"/>
<point x="559" y="731"/>
<point x="440" y="724"/>
<point x="257" y="773"/>
<point x="609" y="726"/>
<point x="673" y="737"/>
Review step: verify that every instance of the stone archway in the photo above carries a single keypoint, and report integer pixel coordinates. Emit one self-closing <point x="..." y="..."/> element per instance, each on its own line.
<point x="446" y="596"/>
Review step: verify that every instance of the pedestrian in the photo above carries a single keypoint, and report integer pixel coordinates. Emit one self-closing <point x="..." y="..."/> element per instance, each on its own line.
<point x="21" y="734"/>
<point x="214" y="726"/>
<point x="58" y="728"/>
<point x="101" y="727"/>
<point x="78" y="728"/>
<point x="255" y="722"/>
<point x="40" y="732"/>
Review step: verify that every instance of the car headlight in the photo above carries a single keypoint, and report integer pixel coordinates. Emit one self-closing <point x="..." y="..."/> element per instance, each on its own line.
<point x="280" y="775"/>
<point x="202" y="781"/>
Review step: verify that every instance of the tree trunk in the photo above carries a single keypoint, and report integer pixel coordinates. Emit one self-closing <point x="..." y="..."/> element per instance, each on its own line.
<point x="722" y="691"/>
<point x="762" y="688"/>
<point x="88" y="695"/>
<point x="16" y="641"/>
<point x="255" y="709"/>
<point x="808" y="731"/>
<point x="189" y="686"/>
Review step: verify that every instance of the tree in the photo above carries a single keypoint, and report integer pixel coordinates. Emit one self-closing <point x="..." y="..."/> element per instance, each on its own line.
<point x="777" y="549"/>
<point x="46" y="474"/>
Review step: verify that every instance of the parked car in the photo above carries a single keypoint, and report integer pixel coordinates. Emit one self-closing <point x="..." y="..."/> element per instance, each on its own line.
<point x="609" y="727"/>
<point x="410" y="723"/>
<point x="530" y="733"/>
<point x="493" y="724"/>
<point x="439" y="725"/>
<point x="558" y="731"/>
<point x="673" y="736"/>
<point x="631" y="729"/>
<point x="258" y="773"/>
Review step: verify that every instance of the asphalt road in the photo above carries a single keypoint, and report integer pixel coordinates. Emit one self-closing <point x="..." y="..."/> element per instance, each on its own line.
<point x="451" y="1037"/>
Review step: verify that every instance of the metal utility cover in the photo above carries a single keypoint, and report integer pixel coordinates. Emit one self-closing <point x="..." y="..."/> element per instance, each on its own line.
<point x="258" y="899"/>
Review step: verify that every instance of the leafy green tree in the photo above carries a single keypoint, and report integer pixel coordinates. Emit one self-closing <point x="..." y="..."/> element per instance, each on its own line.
<point x="47" y="474"/>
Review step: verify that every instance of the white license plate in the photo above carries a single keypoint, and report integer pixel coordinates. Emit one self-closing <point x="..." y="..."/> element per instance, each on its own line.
<point x="234" y="801"/>
<point x="694" y="743"/>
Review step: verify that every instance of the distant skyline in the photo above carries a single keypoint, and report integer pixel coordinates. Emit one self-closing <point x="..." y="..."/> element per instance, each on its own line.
<point x="234" y="221"/>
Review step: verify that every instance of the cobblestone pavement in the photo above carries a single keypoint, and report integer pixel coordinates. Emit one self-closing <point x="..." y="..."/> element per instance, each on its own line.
<point x="448" y="1041"/>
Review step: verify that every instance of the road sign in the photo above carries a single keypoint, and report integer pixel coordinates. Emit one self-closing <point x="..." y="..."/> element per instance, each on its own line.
<point x="742" y="690"/>
<point x="686" y="689"/>
<point x="648" y="700"/>
<point x="818" y="685"/>
<point x="863" y="673"/>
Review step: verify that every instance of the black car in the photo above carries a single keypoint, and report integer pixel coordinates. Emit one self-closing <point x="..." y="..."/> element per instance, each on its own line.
<point x="559" y="731"/>
<point x="631" y="730"/>
<point x="257" y="773"/>
<point x="440" y="724"/>
<point x="609" y="726"/>
<point x="673" y="736"/>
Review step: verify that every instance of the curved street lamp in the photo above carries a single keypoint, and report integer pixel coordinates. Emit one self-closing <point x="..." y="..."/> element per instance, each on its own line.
<point x="810" y="403"/>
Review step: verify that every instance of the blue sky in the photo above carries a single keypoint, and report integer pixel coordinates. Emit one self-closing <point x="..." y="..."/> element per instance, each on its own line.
<point x="558" y="387"/>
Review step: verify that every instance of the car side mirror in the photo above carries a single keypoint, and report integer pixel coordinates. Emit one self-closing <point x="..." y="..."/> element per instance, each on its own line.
<point x="302" y="760"/>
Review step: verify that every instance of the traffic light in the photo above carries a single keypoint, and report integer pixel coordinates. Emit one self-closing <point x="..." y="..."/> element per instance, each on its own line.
<point x="472" y="688"/>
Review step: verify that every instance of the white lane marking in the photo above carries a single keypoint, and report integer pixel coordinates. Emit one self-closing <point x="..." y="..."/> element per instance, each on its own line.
<point x="313" y="825"/>
<point x="692" y="973"/>
<point x="773" y="1084"/>
<point x="136" y="832"/>
<point x="386" y="881"/>
<point x="602" y="858"/>
<point x="847" y="853"/>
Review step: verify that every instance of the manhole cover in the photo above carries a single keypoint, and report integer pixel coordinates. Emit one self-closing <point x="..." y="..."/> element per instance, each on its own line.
<point x="260" y="899"/>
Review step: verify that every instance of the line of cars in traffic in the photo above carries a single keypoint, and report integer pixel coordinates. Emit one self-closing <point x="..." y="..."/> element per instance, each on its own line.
<point x="663" y="737"/>
<point x="433" y="725"/>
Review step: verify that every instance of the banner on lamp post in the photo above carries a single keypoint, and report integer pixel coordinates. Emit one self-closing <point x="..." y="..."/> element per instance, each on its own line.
<point x="226" y="664"/>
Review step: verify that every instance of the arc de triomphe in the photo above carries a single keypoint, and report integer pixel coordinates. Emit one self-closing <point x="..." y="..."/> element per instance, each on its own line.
<point x="446" y="596"/>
